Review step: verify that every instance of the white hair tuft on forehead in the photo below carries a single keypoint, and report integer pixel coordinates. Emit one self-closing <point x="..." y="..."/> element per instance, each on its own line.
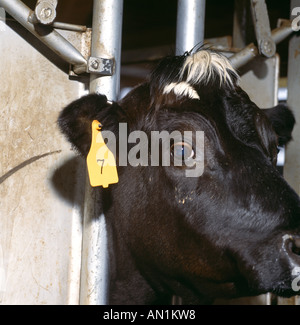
<point x="204" y="66"/>
<point x="199" y="69"/>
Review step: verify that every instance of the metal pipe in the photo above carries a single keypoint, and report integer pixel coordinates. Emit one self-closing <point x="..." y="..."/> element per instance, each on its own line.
<point x="283" y="31"/>
<point x="261" y="22"/>
<point x="190" y="25"/>
<point x="244" y="56"/>
<point x="70" y="27"/>
<point x="251" y="51"/>
<point x="57" y="43"/>
<point x="106" y="43"/>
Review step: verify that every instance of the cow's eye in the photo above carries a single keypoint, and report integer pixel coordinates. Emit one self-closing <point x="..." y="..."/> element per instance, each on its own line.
<point x="182" y="151"/>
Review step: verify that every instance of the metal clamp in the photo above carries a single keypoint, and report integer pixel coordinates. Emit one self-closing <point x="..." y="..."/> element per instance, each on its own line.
<point x="251" y="51"/>
<point x="104" y="67"/>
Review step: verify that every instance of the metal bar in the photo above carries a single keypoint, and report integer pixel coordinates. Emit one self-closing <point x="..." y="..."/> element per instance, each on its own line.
<point x="243" y="32"/>
<point x="70" y="27"/>
<point x="57" y="43"/>
<point x="106" y="42"/>
<point x="261" y="22"/>
<point x="244" y="56"/>
<point x="190" y="25"/>
<point x="251" y="51"/>
<point x="283" y="31"/>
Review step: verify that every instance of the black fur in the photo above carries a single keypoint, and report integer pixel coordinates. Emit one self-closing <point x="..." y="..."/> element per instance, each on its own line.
<point x="283" y="121"/>
<point x="82" y="112"/>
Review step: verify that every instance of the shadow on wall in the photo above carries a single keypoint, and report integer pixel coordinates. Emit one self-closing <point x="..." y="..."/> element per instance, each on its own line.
<point x="68" y="180"/>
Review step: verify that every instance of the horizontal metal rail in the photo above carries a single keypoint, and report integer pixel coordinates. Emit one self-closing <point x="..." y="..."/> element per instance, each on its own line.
<point x="47" y="34"/>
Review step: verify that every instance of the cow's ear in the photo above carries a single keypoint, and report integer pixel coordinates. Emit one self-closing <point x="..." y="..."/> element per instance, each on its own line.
<point x="76" y="119"/>
<point x="283" y="121"/>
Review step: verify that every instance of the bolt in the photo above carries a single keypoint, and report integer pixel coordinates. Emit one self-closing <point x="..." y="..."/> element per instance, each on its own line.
<point x="95" y="64"/>
<point x="268" y="47"/>
<point x="46" y="12"/>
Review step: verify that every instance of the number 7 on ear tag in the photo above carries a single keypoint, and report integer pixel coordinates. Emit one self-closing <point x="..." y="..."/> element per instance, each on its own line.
<point x="101" y="162"/>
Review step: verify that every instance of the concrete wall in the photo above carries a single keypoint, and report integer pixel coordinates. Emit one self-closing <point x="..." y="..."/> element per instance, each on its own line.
<point x="41" y="179"/>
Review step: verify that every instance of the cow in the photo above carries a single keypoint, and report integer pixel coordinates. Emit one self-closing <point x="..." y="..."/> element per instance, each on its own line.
<point x="231" y="231"/>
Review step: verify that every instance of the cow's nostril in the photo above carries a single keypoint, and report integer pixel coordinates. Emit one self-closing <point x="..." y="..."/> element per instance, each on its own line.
<point x="296" y="246"/>
<point x="291" y="244"/>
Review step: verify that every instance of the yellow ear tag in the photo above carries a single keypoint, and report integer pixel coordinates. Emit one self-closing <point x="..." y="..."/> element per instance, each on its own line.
<point x="101" y="162"/>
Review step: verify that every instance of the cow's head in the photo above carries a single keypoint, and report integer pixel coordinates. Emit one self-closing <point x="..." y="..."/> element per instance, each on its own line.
<point x="234" y="229"/>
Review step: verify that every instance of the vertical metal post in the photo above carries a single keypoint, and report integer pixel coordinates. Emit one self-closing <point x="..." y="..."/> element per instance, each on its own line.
<point x="190" y="25"/>
<point x="106" y="43"/>
<point x="243" y="34"/>
<point x="292" y="165"/>
<point x="241" y="23"/>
